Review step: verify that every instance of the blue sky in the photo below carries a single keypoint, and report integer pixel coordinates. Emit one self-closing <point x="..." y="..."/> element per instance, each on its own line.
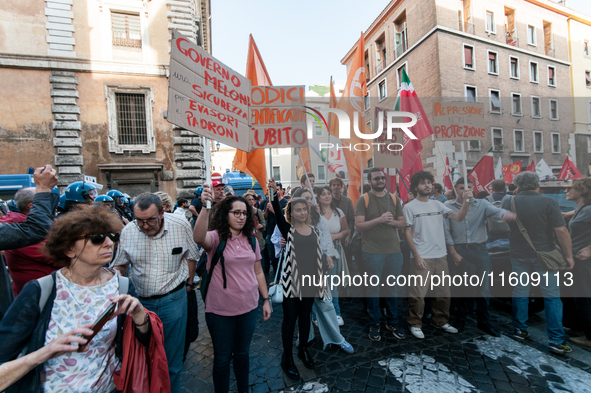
<point x="302" y="42"/>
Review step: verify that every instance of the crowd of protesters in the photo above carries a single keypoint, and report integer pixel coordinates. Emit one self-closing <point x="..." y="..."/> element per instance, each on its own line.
<point x="72" y="258"/>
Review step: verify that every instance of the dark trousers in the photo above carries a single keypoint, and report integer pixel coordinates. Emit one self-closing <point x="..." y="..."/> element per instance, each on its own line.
<point x="231" y="337"/>
<point x="577" y="298"/>
<point x="295" y="309"/>
<point x="475" y="262"/>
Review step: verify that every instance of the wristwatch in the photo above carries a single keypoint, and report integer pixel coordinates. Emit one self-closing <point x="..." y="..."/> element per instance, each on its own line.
<point x="192" y="285"/>
<point x="265" y="298"/>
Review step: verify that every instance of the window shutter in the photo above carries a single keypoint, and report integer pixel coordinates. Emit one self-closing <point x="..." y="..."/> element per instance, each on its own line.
<point x="468" y="56"/>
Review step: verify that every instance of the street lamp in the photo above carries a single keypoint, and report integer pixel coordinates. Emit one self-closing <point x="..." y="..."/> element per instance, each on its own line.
<point x="217" y="146"/>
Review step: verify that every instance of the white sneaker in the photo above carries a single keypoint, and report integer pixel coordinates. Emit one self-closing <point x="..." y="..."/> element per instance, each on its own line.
<point x="417" y="332"/>
<point x="340" y="321"/>
<point x="448" y="328"/>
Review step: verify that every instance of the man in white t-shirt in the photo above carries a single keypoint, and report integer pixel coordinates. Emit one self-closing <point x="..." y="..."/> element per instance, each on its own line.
<point x="425" y="235"/>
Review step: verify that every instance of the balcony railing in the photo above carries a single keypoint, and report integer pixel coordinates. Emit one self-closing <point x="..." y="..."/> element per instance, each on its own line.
<point x="379" y="67"/>
<point x="513" y="41"/>
<point x="469" y="28"/>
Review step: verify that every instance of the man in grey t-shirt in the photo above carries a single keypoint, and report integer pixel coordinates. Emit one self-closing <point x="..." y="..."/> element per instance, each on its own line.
<point x="542" y="220"/>
<point x="426" y="238"/>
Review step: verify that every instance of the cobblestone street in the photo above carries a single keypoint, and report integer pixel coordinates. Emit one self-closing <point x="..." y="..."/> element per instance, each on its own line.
<point x="469" y="361"/>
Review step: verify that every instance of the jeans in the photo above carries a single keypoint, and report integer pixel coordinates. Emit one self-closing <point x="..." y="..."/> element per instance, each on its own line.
<point x="172" y="311"/>
<point x="231" y="337"/>
<point x="551" y="293"/>
<point x="382" y="265"/>
<point x="475" y="262"/>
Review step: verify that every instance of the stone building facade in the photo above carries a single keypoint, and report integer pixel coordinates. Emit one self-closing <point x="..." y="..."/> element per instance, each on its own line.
<point x="511" y="55"/>
<point x="85" y="88"/>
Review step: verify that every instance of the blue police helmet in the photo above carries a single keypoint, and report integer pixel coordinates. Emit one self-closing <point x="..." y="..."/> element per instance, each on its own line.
<point x="198" y="190"/>
<point x="114" y="194"/>
<point x="56" y="191"/>
<point x="62" y="203"/>
<point x="12" y="206"/>
<point x="103" y="198"/>
<point x="79" y="191"/>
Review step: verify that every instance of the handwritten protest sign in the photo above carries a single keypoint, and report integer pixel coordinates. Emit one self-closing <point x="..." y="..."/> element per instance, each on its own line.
<point x="388" y="152"/>
<point x="207" y="97"/>
<point x="459" y="121"/>
<point x="278" y="117"/>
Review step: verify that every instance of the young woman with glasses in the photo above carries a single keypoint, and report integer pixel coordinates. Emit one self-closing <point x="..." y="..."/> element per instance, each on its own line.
<point x="233" y="293"/>
<point x="82" y="242"/>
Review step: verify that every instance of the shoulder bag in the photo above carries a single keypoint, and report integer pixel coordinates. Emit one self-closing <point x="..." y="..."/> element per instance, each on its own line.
<point x="550" y="260"/>
<point x="276" y="287"/>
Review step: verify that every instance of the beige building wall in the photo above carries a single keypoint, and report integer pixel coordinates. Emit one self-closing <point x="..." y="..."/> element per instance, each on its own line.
<point x="580" y="38"/>
<point x="436" y="32"/>
<point x="61" y="73"/>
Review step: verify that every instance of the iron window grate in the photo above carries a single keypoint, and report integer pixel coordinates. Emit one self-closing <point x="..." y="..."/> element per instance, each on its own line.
<point x="131" y="119"/>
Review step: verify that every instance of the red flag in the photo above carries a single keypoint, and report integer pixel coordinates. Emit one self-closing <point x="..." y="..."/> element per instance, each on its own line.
<point x="253" y="163"/>
<point x="408" y="101"/>
<point x="531" y="167"/>
<point x="569" y="169"/>
<point x="447" y="175"/>
<point x="511" y="170"/>
<point x="483" y="174"/>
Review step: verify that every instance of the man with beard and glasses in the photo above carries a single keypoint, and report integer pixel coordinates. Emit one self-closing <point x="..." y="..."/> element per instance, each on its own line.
<point x="425" y="236"/>
<point x="377" y="215"/>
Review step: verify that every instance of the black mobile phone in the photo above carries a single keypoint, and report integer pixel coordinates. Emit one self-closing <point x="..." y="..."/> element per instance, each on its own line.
<point x="98" y="325"/>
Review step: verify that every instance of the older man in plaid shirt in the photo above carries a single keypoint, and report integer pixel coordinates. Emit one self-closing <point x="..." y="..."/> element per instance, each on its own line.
<point x="161" y="250"/>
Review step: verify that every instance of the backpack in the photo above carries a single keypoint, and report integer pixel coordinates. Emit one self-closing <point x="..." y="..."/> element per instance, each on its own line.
<point x="201" y="269"/>
<point x="366" y="199"/>
<point x="356" y="239"/>
<point x="494" y="225"/>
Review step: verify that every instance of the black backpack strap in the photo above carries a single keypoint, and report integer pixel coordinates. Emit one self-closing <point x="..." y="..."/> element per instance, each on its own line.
<point x="219" y="254"/>
<point x="253" y="243"/>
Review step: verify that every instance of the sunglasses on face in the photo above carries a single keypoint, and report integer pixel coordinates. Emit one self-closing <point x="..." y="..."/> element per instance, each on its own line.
<point x="99" y="238"/>
<point x="238" y="213"/>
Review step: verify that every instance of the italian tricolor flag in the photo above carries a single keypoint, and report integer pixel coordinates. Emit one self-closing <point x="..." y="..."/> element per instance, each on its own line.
<point x="483" y="174"/>
<point x="408" y="101"/>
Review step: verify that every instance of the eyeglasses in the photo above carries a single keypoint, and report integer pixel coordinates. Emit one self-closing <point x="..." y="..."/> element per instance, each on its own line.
<point x="99" y="238"/>
<point x="238" y="213"/>
<point x="149" y="221"/>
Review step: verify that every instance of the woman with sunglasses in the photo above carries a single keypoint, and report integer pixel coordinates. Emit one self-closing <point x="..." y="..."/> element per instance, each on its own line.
<point x="82" y="242"/>
<point x="298" y="276"/>
<point x="577" y="306"/>
<point x="234" y="286"/>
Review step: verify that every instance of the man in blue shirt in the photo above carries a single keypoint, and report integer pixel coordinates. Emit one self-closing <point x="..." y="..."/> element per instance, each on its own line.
<point x="466" y="243"/>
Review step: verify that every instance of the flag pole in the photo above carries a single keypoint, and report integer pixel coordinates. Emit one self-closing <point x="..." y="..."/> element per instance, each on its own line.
<point x="207" y="167"/>
<point x="464" y="170"/>
<point x="306" y="174"/>
<point x="270" y="172"/>
<point x="441" y="154"/>
<point x="388" y="188"/>
<point x="403" y="181"/>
